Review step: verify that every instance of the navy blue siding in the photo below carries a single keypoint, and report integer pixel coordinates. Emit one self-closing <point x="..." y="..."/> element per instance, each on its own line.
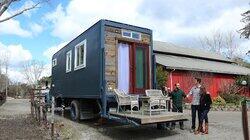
<point x="85" y="82"/>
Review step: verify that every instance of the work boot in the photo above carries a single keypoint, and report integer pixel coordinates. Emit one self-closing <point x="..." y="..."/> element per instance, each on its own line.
<point x="198" y="130"/>
<point x="206" y="128"/>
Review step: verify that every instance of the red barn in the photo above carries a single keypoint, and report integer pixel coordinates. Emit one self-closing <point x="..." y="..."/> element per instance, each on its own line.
<point x="183" y="64"/>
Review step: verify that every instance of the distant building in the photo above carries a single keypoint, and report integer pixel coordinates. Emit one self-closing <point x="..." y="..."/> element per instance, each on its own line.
<point x="183" y="64"/>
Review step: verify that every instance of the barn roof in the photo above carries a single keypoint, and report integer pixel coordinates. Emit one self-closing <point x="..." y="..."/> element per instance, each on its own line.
<point x="175" y="57"/>
<point x="173" y="49"/>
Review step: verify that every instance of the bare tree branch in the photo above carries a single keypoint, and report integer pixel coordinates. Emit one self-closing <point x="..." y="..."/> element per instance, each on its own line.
<point x="221" y="43"/>
<point x="213" y="43"/>
<point x="4" y="6"/>
<point x="245" y="31"/>
<point x="32" y="71"/>
<point x="20" y="12"/>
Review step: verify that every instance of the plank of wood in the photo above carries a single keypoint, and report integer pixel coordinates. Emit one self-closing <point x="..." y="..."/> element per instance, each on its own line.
<point x="146" y="119"/>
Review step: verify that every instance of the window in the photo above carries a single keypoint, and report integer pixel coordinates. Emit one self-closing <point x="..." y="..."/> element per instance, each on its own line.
<point x="68" y="61"/>
<point x="80" y="55"/>
<point x="136" y="36"/>
<point x="126" y="34"/>
<point x="54" y="62"/>
<point x="131" y="34"/>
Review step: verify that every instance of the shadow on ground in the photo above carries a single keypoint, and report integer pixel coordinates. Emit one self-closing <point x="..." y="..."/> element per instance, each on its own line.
<point x="115" y="130"/>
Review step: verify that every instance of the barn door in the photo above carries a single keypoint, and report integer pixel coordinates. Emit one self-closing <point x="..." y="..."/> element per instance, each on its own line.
<point x="139" y="62"/>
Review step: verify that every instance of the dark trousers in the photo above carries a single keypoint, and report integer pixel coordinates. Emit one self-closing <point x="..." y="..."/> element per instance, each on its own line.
<point x="194" y="109"/>
<point x="204" y="116"/>
<point x="177" y="109"/>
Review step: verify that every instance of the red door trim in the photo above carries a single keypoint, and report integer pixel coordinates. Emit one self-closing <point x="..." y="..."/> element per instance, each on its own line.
<point x="132" y="61"/>
<point x="135" y="90"/>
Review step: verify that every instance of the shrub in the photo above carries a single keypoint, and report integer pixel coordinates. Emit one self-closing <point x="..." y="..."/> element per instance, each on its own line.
<point x="232" y="98"/>
<point x="161" y="76"/>
<point x="219" y="101"/>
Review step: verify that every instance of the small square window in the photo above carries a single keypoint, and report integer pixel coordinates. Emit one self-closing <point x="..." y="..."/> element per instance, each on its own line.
<point x="136" y="36"/>
<point x="126" y="34"/>
<point x="54" y="62"/>
<point x="68" y="61"/>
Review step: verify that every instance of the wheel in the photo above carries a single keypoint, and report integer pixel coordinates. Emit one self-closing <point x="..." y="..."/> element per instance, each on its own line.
<point x="75" y="110"/>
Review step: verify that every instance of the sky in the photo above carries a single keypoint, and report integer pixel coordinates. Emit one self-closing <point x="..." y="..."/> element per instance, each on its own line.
<point x="39" y="33"/>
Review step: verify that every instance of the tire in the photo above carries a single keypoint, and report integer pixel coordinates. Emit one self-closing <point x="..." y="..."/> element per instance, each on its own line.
<point x="75" y="110"/>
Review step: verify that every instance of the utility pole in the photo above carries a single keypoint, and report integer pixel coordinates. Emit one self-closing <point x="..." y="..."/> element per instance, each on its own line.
<point x="7" y="81"/>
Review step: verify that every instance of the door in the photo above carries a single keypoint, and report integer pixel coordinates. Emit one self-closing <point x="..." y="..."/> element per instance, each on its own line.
<point x="133" y="67"/>
<point x="139" y="63"/>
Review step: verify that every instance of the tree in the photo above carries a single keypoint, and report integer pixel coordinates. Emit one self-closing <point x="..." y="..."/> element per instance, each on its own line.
<point x="19" y="90"/>
<point x="4" y="64"/>
<point x="32" y="71"/>
<point x="3" y="80"/>
<point x="5" y="4"/>
<point x="245" y="31"/>
<point x="43" y="81"/>
<point x="161" y="76"/>
<point x="221" y="43"/>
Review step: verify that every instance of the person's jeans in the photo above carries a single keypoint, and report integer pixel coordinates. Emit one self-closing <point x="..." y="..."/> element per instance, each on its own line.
<point x="204" y="116"/>
<point x="177" y="109"/>
<point x="194" y="109"/>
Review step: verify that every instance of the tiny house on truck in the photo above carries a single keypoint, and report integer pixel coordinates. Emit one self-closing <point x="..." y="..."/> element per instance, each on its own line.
<point x="107" y="56"/>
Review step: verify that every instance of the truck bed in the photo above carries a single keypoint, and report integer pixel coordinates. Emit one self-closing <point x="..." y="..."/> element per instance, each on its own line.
<point x="154" y="118"/>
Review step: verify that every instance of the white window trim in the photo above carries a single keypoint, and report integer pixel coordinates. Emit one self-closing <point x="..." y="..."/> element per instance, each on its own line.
<point x="84" y="55"/>
<point x="70" y="54"/>
<point x="127" y="31"/>
<point x="131" y="34"/>
<point x="54" y="64"/>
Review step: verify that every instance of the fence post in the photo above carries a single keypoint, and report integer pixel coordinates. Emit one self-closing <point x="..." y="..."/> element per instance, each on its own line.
<point x="32" y="96"/>
<point x="52" y="118"/>
<point x="245" y="120"/>
<point x="40" y="107"/>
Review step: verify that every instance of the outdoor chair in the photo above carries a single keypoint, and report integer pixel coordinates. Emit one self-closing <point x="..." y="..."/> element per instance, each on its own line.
<point x="124" y="99"/>
<point x="156" y="99"/>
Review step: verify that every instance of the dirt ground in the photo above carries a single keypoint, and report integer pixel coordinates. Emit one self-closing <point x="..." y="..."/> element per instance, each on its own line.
<point x="16" y="123"/>
<point x="223" y="126"/>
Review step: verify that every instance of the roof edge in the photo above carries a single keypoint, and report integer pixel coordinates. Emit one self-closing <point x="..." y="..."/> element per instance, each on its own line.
<point x="191" y="56"/>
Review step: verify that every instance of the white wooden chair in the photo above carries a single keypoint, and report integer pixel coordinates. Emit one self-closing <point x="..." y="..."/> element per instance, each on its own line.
<point x="124" y="99"/>
<point x="156" y="99"/>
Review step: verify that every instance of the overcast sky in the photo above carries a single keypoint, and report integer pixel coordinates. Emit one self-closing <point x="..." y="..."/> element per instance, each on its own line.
<point x="39" y="33"/>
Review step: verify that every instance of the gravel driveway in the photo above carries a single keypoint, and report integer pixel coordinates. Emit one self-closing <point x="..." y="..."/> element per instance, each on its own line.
<point x="16" y="123"/>
<point x="223" y="126"/>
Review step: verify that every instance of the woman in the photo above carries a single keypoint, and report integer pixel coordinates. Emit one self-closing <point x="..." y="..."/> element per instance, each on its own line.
<point x="205" y="103"/>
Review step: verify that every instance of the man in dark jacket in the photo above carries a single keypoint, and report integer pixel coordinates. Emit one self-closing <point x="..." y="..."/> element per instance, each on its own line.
<point x="177" y="97"/>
